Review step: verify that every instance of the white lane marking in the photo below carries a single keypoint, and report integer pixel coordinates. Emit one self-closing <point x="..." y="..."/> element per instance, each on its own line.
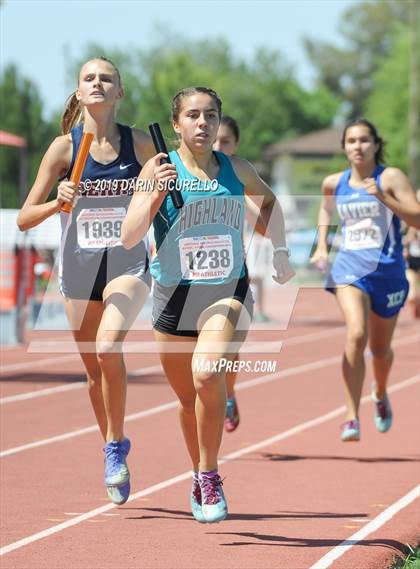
<point x="36" y="363"/>
<point x="319" y="420"/>
<point x="312" y="337"/>
<point x="173" y="404"/>
<point x="68" y="387"/>
<point x="369" y="528"/>
<point x="42" y="392"/>
<point x="186" y="475"/>
<point x="86" y="430"/>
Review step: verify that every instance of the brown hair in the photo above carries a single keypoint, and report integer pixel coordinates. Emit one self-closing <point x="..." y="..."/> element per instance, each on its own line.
<point x="187" y="92"/>
<point x="379" y="154"/>
<point x="73" y="110"/>
<point x="231" y="123"/>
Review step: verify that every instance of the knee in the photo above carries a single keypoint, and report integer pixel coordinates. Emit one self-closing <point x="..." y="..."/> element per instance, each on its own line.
<point x="381" y="352"/>
<point x="206" y="378"/>
<point x="94" y="380"/>
<point x="187" y="405"/>
<point x="356" y="339"/>
<point x="107" y="351"/>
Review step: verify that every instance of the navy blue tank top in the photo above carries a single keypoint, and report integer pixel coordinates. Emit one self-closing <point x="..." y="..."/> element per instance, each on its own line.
<point x="94" y="223"/>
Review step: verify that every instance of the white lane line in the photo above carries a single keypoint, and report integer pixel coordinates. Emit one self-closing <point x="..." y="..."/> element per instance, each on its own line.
<point x="68" y="387"/>
<point x="42" y="392"/>
<point x="87" y="430"/>
<point x="369" y="528"/>
<point x="186" y="475"/>
<point x="36" y="363"/>
<point x="295" y="340"/>
<point x="171" y="405"/>
<point x="312" y="337"/>
<point x="318" y="420"/>
<point x="289" y="372"/>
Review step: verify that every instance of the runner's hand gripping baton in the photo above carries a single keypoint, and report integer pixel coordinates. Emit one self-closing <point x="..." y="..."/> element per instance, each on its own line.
<point x="160" y="146"/>
<point x="79" y="164"/>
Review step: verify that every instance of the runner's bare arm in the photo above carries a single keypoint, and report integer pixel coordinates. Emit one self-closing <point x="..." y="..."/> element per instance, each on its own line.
<point x="55" y="163"/>
<point x="271" y="213"/>
<point x="399" y="196"/>
<point x="326" y="209"/>
<point x="146" y="201"/>
<point x="143" y="146"/>
<point x="253" y="217"/>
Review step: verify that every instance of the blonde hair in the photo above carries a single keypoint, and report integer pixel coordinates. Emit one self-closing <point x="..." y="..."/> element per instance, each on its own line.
<point x="72" y="114"/>
<point x="73" y="110"/>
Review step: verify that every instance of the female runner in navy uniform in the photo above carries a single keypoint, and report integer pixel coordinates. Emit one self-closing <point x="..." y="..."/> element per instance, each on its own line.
<point x="104" y="285"/>
<point x="202" y="306"/>
<point x="368" y="274"/>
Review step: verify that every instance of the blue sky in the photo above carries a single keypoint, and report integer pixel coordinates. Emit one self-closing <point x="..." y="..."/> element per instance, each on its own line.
<point x="41" y="35"/>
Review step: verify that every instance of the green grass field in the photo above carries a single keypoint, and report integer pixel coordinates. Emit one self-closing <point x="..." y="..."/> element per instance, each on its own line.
<point x="411" y="561"/>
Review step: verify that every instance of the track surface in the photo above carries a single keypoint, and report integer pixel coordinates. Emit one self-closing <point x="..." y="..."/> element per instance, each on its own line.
<point x="298" y="497"/>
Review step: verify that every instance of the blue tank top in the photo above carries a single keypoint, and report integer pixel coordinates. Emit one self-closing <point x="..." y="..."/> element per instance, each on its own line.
<point x="201" y="243"/>
<point x="94" y="223"/>
<point x="371" y="234"/>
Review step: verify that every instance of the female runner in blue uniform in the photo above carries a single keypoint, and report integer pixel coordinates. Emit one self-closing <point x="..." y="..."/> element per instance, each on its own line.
<point x="368" y="274"/>
<point x="104" y="285"/>
<point x="202" y="306"/>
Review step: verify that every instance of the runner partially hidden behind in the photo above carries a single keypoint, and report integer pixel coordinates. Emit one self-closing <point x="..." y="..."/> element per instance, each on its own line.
<point x="368" y="274"/>
<point x="201" y="303"/>
<point x="258" y="251"/>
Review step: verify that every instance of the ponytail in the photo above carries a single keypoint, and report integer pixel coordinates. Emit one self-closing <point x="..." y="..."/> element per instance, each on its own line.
<point x="72" y="114"/>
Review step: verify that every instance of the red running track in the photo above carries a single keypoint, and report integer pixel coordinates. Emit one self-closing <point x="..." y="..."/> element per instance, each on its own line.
<point x="298" y="497"/>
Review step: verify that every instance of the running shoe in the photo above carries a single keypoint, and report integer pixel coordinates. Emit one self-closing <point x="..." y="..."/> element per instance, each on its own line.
<point x="350" y="431"/>
<point x="214" y="505"/>
<point x="117" y="476"/>
<point x="196" y="508"/>
<point x="119" y="494"/>
<point x="232" y="415"/>
<point x="260" y="317"/>
<point x="383" y="412"/>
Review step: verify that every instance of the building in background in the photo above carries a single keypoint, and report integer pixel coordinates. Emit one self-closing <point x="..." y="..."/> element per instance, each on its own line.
<point x="298" y="167"/>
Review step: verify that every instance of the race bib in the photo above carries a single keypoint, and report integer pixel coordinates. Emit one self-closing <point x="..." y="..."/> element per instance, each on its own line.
<point x="363" y="234"/>
<point x="100" y="228"/>
<point x="207" y="257"/>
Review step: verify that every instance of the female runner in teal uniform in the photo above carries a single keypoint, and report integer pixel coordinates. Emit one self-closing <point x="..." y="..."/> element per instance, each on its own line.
<point x="200" y="266"/>
<point x="103" y="287"/>
<point x="368" y="273"/>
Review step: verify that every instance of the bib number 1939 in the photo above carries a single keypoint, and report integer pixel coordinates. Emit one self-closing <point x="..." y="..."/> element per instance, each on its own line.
<point x="99" y="228"/>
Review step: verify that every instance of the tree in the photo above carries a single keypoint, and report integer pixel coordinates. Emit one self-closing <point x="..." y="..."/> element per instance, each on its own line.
<point x="368" y="30"/>
<point x="388" y="104"/>
<point x="21" y="114"/>
<point x="262" y="95"/>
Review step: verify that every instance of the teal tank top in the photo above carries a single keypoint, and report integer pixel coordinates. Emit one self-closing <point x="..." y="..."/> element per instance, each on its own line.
<point x="201" y="243"/>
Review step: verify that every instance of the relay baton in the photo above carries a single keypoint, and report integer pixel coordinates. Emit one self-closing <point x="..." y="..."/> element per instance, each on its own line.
<point x="79" y="164"/>
<point x="160" y="146"/>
